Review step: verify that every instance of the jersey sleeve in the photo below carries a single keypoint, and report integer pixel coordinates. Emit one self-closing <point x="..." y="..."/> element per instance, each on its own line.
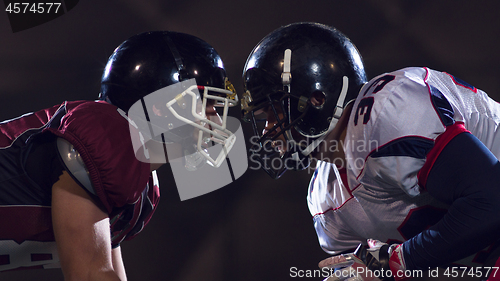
<point x="132" y="218"/>
<point x="101" y="136"/>
<point x="393" y="126"/>
<point x="13" y="128"/>
<point x="327" y="195"/>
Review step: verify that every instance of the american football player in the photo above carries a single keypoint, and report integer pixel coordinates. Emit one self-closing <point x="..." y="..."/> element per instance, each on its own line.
<point x="409" y="158"/>
<point x="77" y="172"/>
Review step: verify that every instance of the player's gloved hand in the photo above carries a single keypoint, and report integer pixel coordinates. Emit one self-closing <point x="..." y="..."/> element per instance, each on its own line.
<point x="390" y="257"/>
<point x="367" y="263"/>
<point x="353" y="266"/>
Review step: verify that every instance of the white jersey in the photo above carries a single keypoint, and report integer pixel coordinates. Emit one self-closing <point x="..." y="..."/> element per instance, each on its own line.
<point x="391" y="135"/>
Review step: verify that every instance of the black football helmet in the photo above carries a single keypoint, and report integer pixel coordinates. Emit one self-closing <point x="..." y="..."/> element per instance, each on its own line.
<point x="161" y="80"/>
<point x="311" y="71"/>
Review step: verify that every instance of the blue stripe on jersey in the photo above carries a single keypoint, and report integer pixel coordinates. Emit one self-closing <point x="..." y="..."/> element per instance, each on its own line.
<point x="415" y="147"/>
<point x="442" y="106"/>
<point x="462" y="83"/>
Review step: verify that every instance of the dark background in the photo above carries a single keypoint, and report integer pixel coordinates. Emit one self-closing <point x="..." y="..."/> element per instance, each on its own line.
<point x="255" y="228"/>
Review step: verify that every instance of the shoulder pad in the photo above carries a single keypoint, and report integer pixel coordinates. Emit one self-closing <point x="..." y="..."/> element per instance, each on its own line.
<point x="74" y="164"/>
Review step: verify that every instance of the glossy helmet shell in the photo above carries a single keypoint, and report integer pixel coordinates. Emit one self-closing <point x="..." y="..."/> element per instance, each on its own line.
<point x="321" y="56"/>
<point x="150" y="61"/>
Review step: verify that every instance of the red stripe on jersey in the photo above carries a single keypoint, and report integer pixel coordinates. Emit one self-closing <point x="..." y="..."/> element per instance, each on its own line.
<point x="343" y="178"/>
<point x="440" y="143"/>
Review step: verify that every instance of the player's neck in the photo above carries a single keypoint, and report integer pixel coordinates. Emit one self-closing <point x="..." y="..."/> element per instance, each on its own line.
<point x="332" y="148"/>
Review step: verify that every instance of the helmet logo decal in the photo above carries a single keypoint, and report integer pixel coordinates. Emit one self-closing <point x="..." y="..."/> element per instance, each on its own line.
<point x="229" y="86"/>
<point x="245" y="101"/>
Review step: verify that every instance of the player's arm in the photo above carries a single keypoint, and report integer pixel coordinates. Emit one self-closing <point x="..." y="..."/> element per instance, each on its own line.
<point x="118" y="265"/>
<point x="466" y="175"/>
<point x="81" y="229"/>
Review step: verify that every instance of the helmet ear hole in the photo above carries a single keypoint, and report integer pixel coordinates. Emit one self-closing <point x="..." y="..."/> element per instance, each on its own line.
<point x="317" y="99"/>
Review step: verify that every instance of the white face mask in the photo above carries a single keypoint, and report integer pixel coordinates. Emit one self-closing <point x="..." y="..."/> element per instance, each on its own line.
<point x="177" y="114"/>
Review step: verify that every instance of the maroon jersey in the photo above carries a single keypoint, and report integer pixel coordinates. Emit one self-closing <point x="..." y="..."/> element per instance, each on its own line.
<point x="124" y="185"/>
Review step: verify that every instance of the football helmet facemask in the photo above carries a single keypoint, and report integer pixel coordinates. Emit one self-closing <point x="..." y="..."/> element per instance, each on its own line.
<point x="304" y="74"/>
